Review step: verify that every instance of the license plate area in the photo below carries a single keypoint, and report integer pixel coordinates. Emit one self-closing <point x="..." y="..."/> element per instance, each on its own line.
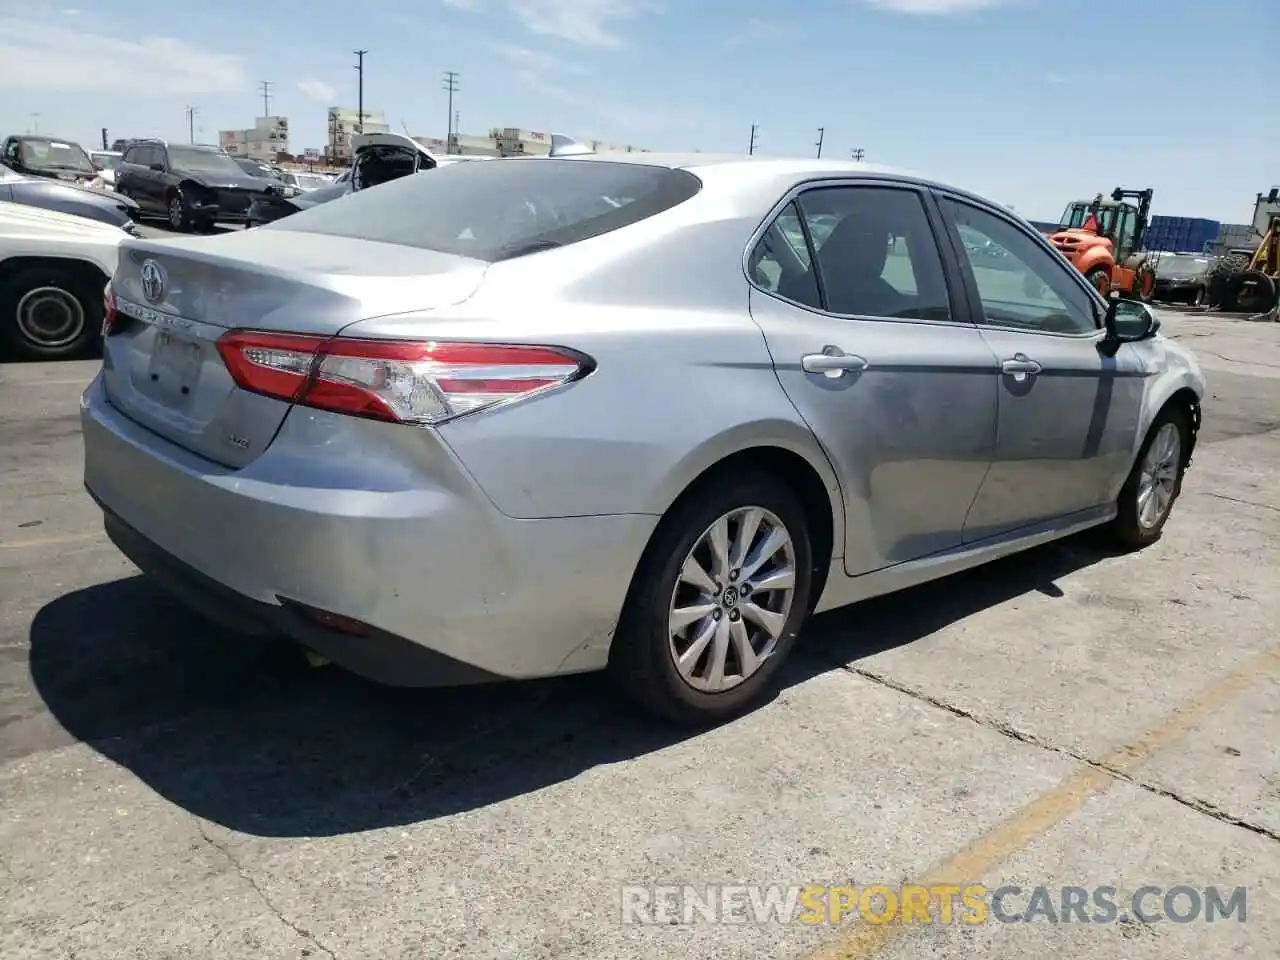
<point x="174" y="371"/>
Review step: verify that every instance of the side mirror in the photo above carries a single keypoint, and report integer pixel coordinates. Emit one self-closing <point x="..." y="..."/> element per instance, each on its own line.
<point x="157" y="167"/>
<point x="1127" y="321"/>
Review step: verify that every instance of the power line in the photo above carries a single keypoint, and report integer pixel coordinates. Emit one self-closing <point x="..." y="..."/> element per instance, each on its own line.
<point x="266" y="98"/>
<point x="450" y="83"/>
<point x="821" y="133"/>
<point x="755" y="127"/>
<point x="360" y="90"/>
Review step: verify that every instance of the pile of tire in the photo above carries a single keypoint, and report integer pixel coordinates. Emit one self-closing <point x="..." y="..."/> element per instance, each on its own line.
<point x="1235" y="289"/>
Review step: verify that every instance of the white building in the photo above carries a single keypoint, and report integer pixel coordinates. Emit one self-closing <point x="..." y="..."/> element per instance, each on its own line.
<point x="268" y="137"/>
<point x="344" y="124"/>
<point x="512" y="142"/>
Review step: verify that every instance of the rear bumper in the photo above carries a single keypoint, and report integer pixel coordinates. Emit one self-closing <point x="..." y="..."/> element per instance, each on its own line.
<point x="375" y="523"/>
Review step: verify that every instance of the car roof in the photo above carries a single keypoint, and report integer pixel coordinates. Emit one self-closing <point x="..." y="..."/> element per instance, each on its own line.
<point x="763" y="168"/>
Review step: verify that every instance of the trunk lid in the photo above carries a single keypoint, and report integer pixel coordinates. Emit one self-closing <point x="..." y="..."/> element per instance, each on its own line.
<point x="177" y="297"/>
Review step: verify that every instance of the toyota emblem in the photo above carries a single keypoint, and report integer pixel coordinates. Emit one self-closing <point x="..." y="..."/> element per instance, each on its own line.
<point x="153" y="281"/>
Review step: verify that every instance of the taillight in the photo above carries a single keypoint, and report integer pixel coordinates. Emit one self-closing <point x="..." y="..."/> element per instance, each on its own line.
<point x="109" y="313"/>
<point x="397" y="380"/>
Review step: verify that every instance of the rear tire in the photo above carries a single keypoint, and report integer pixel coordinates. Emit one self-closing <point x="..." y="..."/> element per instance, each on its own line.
<point x="1144" y="282"/>
<point x="1253" y="292"/>
<point x="1153" y="486"/>
<point x="49" y="312"/>
<point x="1100" y="279"/>
<point x="643" y="660"/>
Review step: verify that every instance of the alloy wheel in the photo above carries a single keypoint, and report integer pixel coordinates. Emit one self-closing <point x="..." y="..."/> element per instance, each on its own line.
<point x="1159" y="476"/>
<point x="731" y="599"/>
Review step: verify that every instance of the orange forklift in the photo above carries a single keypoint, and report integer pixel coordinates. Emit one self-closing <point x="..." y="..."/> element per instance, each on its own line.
<point x="1102" y="239"/>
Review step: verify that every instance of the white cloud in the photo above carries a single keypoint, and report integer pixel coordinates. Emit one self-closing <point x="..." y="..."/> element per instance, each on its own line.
<point x="589" y="23"/>
<point x="585" y="22"/>
<point x="534" y="61"/>
<point x="37" y="56"/>
<point x="937" y="7"/>
<point x="318" y="90"/>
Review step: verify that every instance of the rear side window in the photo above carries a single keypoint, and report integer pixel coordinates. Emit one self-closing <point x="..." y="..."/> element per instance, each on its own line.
<point x="502" y="209"/>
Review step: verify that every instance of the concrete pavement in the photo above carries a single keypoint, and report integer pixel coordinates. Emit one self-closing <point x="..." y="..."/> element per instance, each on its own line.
<point x="1061" y="718"/>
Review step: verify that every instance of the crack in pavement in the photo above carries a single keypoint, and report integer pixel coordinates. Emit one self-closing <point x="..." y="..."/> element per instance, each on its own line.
<point x="1203" y="807"/>
<point x="262" y="894"/>
<point x="1247" y="503"/>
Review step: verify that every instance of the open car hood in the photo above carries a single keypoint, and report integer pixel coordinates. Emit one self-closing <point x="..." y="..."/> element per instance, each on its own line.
<point x="362" y="140"/>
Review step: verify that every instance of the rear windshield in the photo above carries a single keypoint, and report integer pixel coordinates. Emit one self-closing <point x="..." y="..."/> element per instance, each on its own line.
<point x="493" y="211"/>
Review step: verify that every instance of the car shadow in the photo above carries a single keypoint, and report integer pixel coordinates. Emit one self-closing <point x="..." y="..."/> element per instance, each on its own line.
<point x="245" y="734"/>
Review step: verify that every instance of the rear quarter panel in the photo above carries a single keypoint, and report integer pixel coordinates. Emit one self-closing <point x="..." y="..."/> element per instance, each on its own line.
<point x="683" y="378"/>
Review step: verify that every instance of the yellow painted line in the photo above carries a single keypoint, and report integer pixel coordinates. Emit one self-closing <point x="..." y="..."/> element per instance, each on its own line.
<point x="50" y="541"/>
<point x="1049" y="809"/>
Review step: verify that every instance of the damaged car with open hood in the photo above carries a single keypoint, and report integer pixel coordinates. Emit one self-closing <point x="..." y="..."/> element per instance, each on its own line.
<point x="376" y="158"/>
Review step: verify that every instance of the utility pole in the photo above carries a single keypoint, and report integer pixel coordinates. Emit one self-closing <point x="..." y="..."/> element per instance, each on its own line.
<point x="360" y="90"/>
<point x="857" y="153"/>
<point x="449" y="83"/>
<point x="191" y="123"/>
<point x="752" y="148"/>
<point x="266" y="98"/>
<point x="104" y="138"/>
<point x="821" y="132"/>
<point x="35" y="123"/>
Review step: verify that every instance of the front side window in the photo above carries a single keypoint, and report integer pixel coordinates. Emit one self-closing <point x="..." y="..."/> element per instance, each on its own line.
<point x="493" y="211"/>
<point x="1021" y="285"/>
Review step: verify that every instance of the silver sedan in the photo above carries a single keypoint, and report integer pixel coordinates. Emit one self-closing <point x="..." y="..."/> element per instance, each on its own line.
<point x="644" y="413"/>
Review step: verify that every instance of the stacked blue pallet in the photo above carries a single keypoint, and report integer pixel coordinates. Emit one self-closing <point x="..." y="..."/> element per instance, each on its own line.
<point x="1180" y="234"/>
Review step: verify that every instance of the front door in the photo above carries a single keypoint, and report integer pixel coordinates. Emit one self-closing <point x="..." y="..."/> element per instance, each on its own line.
<point x="1067" y="413"/>
<point x="849" y="288"/>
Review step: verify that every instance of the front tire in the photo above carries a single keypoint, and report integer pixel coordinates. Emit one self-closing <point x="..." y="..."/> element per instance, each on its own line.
<point x="716" y="602"/>
<point x="177" y="212"/>
<point x="1155" y="482"/>
<point x="49" y="312"/>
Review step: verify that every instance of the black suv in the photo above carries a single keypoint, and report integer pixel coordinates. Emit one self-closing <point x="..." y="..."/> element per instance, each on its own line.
<point x="192" y="186"/>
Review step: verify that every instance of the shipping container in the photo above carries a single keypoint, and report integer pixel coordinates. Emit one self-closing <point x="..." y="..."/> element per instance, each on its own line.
<point x="1180" y="234"/>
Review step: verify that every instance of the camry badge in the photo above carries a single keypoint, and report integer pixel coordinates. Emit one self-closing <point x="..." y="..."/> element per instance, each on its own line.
<point x="154" y="281"/>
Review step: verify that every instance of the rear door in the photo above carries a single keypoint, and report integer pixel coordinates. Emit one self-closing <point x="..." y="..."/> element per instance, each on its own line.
<point x="142" y="179"/>
<point x="879" y="357"/>
<point x="1068" y="414"/>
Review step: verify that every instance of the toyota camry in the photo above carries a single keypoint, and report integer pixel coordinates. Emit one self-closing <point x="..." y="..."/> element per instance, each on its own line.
<point x="635" y="413"/>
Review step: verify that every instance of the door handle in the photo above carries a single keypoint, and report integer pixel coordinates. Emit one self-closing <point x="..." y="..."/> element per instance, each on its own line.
<point x="832" y="362"/>
<point x="1020" y="367"/>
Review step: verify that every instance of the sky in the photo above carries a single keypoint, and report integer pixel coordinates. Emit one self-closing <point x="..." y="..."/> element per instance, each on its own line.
<point x="1032" y="103"/>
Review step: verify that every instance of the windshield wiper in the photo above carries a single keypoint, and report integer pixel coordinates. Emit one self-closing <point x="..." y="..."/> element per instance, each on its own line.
<point x="521" y="249"/>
